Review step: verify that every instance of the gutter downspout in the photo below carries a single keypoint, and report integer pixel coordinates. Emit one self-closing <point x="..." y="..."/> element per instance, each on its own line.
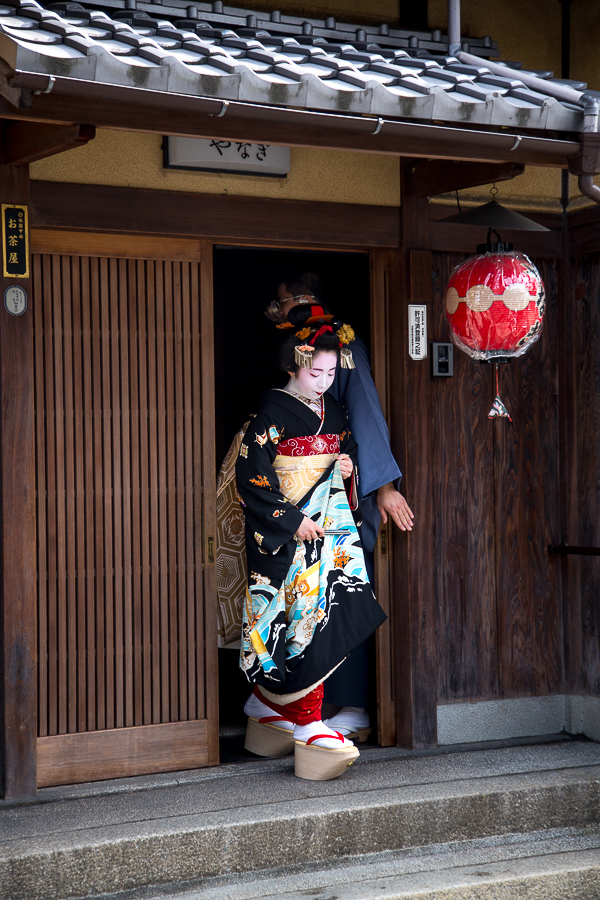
<point x="585" y="180"/>
<point x="453" y="27"/>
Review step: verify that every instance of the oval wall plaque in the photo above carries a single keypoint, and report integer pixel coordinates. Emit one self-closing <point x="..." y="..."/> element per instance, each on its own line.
<point x="15" y="300"/>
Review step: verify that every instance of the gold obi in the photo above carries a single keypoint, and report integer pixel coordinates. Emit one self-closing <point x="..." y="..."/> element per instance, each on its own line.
<point x="297" y="474"/>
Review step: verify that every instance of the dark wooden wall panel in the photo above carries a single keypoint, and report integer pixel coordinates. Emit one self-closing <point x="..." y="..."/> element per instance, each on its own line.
<point x="583" y="573"/>
<point x="527" y="515"/>
<point x="119" y="492"/>
<point x="462" y="464"/>
<point x="496" y="508"/>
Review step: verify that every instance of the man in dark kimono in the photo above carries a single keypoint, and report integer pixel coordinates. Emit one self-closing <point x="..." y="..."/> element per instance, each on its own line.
<point x="379" y="496"/>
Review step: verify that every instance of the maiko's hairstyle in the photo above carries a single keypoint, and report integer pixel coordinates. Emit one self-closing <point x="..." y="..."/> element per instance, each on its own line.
<point x="328" y="341"/>
<point x="304" y="283"/>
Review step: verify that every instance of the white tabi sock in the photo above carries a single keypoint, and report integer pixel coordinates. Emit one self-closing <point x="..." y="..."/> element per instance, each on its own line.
<point x="259" y="710"/>
<point x="305" y="732"/>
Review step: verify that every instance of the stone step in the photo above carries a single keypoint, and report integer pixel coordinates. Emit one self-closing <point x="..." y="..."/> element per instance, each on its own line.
<point x="243" y="818"/>
<point x="561" y="864"/>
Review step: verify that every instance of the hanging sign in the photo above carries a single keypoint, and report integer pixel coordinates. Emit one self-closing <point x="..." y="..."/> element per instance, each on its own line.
<point x="15" y="242"/>
<point x="417" y="331"/>
<point x="15" y="300"/>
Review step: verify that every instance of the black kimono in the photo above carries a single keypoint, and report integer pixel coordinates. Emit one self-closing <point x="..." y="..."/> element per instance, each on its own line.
<point x="308" y="603"/>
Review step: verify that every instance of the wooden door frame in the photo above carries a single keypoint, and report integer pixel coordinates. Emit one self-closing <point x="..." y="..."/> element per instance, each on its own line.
<point x="382" y="262"/>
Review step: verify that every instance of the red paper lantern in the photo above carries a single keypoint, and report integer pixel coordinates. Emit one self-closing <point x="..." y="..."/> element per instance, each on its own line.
<point x="495" y="304"/>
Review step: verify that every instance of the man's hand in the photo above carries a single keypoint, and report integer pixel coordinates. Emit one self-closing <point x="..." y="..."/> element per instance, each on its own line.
<point x="391" y="502"/>
<point x="346" y="465"/>
<point x="308" y="530"/>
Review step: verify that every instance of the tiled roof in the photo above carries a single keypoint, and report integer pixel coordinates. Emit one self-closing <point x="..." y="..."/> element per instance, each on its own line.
<point x="383" y="72"/>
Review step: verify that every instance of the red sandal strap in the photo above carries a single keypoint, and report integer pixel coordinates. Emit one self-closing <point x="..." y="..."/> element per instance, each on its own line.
<point x="316" y="737"/>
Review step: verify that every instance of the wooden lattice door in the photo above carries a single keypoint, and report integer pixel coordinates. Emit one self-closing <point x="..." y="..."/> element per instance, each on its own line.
<point x="125" y="506"/>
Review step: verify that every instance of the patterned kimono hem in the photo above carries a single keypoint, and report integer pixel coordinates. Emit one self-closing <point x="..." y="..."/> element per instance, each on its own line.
<point x="284" y="699"/>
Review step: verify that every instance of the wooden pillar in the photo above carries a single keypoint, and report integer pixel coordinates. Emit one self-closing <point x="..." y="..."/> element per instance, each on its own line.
<point x="571" y="302"/>
<point x="411" y="423"/>
<point x="18" y="694"/>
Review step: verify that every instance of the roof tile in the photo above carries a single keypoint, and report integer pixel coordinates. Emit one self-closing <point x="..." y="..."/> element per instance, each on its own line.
<point x="317" y="64"/>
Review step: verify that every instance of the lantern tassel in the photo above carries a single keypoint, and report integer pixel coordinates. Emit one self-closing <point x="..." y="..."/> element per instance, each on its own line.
<point x="498" y="409"/>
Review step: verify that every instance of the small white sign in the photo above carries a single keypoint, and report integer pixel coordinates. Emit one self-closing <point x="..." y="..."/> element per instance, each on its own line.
<point x="417" y="331"/>
<point x="239" y="157"/>
<point x="15" y="300"/>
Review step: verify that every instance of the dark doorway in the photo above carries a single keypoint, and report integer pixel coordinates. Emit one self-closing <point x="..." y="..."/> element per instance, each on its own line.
<point x="245" y="282"/>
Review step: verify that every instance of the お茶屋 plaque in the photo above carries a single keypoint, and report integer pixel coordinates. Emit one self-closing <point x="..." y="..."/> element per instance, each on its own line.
<point x="15" y="241"/>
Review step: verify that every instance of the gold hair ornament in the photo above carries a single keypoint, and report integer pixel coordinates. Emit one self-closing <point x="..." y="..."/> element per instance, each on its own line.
<point x="346" y="334"/>
<point x="346" y="361"/>
<point x="303" y="356"/>
<point x="303" y="333"/>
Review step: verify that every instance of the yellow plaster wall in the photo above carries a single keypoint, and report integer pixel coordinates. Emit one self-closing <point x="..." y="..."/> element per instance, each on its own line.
<point x="128" y="159"/>
<point x="585" y="28"/>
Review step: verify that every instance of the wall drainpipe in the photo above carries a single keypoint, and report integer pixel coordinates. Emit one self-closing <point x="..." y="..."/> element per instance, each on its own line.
<point x="453" y="27"/>
<point x="591" y="110"/>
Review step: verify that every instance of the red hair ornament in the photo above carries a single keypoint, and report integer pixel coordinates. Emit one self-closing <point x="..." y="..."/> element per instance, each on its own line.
<point x="495" y="305"/>
<point x="303" y="354"/>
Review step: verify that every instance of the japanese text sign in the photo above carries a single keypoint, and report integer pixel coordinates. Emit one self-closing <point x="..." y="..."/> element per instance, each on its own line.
<point x="417" y="331"/>
<point x="15" y="241"/>
<point x="238" y="157"/>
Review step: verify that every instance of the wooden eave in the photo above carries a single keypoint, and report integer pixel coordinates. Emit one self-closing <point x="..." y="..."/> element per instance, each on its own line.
<point x="61" y="101"/>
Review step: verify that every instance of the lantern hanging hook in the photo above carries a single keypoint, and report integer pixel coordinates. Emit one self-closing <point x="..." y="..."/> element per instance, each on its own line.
<point x="492" y="231"/>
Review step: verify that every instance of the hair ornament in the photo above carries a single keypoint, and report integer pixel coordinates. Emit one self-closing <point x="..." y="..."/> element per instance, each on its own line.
<point x="303" y="333"/>
<point x="346" y="360"/>
<point x="319" y="332"/>
<point x="303" y="355"/>
<point x="346" y="334"/>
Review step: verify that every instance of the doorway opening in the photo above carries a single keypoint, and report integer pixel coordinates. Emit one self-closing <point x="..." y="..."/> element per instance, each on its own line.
<point x="245" y="282"/>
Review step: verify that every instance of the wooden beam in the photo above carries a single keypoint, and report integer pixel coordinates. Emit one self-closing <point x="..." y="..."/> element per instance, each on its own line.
<point x="18" y="596"/>
<point x="434" y="176"/>
<point x="24" y="142"/>
<point x="382" y="278"/>
<point x="163" y="113"/>
<point x="206" y="511"/>
<point x="212" y="216"/>
<point x="410" y="426"/>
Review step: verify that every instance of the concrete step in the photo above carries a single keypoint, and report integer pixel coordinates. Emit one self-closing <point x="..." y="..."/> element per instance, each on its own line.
<point x="255" y="816"/>
<point x="561" y="864"/>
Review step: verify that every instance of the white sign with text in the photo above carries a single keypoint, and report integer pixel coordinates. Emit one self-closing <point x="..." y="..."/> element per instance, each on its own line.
<point x="417" y="331"/>
<point x="240" y="157"/>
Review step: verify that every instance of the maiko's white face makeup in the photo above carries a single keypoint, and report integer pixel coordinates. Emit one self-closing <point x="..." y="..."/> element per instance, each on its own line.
<point x="312" y="383"/>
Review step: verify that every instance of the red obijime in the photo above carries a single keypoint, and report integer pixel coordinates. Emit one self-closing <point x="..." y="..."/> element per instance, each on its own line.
<point x="313" y="445"/>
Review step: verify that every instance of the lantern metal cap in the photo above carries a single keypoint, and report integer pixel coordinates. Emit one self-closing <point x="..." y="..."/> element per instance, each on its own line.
<point x="494" y="215"/>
